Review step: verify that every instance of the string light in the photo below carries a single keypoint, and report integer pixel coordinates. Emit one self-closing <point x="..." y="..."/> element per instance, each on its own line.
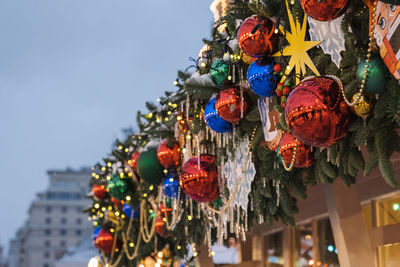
<point x="151" y="187"/>
<point x="117" y="213"/>
<point x="128" y="198"/>
<point x="120" y="147"/>
<point x="103" y="168"/>
<point x="103" y="209"/>
<point x="131" y="244"/>
<point x="112" y="230"/>
<point x="171" y="179"/>
<point x="109" y="164"/>
<point x="97" y="205"/>
<point x="160" y="254"/>
<point x="176" y="82"/>
<point x="108" y="177"/>
<point x="190" y="217"/>
<point x="144" y="195"/>
<point x="178" y="247"/>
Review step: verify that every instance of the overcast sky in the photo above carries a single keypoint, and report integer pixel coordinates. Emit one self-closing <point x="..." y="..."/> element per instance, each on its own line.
<point x="73" y="73"/>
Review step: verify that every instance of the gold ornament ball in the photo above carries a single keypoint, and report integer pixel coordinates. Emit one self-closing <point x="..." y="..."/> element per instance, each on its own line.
<point x="365" y="104"/>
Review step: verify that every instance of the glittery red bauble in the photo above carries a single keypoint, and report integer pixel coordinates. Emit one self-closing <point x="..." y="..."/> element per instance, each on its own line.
<point x="229" y="104"/>
<point x="133" y="161"/>
<point x="304" y="156"/>
<point x="262" y="41"/>
<point x="168" y="156"/>
<point x="100" y="191"/>
<point x="201" y="184"/>
<point x="325" y="10"/>
<point x="104" y="241"/>
<point x="117" y="202"/>
<point x="316" y="113"/>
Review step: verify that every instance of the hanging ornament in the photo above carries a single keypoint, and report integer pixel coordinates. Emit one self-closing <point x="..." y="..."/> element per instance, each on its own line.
<point x="149" y="168"/>
<point x="104" y="241"/>
<point x="100" y="191"/>
<point x="168" y="156"/>
<point x="292" y="150"/>
<point x="331" y="36"/>
<point x="325" y="10"/>
<point x="160" y="229"/>
<point x="127" y="209"/>
<point x="240" y="171"/>
<point x="387" y="34"/>
<point x="376" y="75"/>
<point x="257" y="37"/>
<point x="96" y="232"/>
<point x="213" y="120"/>
<point x="117" y="203"/>
<point x="297" y="48"/>
<point x="117" y="187"/>
<point x="261" y="78"/>
<point x="316" y="112"/>
<point x="219" y="72"/>
<point x="171" y="186"/>
<point x="365" y="105"/>
<point x="230" y="105"/>
<point x="269" y="119"/>
<point x="200" y="182"/>
<point x="133" y="161"/>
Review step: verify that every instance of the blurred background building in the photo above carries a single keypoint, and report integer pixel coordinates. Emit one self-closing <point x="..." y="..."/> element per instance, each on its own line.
<point x="56" y="222"/>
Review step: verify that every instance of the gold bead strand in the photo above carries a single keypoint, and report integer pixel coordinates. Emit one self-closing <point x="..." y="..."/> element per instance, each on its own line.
<point x="291" y="166"/>
<point x="364" y="80"/>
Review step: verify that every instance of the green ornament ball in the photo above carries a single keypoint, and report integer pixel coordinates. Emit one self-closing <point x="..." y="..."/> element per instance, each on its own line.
<point x="219" y="72"/>
<point x="376" y="76"/>
<point x="148" y="166"/>
<point x="117" y="187"/>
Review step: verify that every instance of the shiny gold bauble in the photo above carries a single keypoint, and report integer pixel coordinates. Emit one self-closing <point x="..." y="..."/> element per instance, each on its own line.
<point x="365" y="105"/>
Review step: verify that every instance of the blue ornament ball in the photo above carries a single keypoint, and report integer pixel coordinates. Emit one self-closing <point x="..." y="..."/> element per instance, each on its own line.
<point x="128" y="211"/>
<point x="96" y="232"/>
<point x="261" y="78"/>
<point x="171" y="186"/>
<point x="213" y="120"/>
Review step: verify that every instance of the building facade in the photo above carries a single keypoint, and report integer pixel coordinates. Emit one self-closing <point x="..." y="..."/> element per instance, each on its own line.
<point x="56" y="221"/>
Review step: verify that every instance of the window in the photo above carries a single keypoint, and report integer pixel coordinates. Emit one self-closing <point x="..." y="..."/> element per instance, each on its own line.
<point x="78" y="221"/>
<point x="47" y="255"/>
<point x="63" y="196"/>
<point x="46" y="265"/>
<point x="62" y="243"/>
<point x="47" y="232"/>
<point x="79" y="209"/>
<point x="48" y="209"/>
<point x="48" y="221"/>
<point x="47" y="243"/>
<point x="304" y="245"/>
<point x="63" y="209"/>
<point x="22" y="251"/>
<point x="274" y="247"/>
<point x="63" y="220"/>
<point x="63" y="232"/>
<point x="78" y="232"/>
<point x="389" y="255"/>
<point x="388" y="211"/>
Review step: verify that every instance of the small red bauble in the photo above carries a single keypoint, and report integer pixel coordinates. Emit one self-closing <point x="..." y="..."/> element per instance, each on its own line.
<point x="159" y="227"/>
<point x="168" y="156"/>
<point x="100" y="191"/>
<point x="304" y="155"/>
<point x="259" y="41"/>
<point x="286" y="91"/>
<point x="325" y="10"/>
<point x="200" y="184"/>
<point x="278" y="68"/>
<point x="316" y="113"/>
<point x="117" y="203"/>
<point x="133" y="161"/>
<point x="230" y="105"/>
<point x="104" y="241"/>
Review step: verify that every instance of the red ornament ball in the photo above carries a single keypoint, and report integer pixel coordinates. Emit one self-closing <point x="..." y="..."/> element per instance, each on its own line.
<point x="230" y="105"/>
<point x="304" y="155"/>
<point x="100" y="191"/>
<point x="159" y="227"/>
<point x="257" y="36"/>
<point x="325" y="10"/>
<point x="286" y="91"/>
<point x="168" y="156"/>
<point x="133" y="160"/>
<point x="278" y="68"/>
<point x="200" y="184"/>
<point x="316" y="113"/>
<point x="104" y="241"/>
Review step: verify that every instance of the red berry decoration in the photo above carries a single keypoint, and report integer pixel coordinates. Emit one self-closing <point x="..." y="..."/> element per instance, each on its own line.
<point x="279" y="86"/>
<point x="278" y="68"/>
<point x="200" y="184"/>
<point x="257" y="36"/>
<point x="278" y="92"/>
<point x="325" y="10"/>
<point x="100" y="191"/>
<point x="159" y="227"/>
<point x="117" y="203"/>
<point x="316" y="113"/>
<point x="133" y="160"/>
<point x="286" y="91"/>
<point x="168" y="156"/>
<point x="230" y="105"/>
<point x="104" y="241"/>
<point x="304" y="155"/>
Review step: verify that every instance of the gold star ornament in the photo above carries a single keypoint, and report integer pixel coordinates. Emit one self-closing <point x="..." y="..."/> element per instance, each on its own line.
<point x="297" y="48"/>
